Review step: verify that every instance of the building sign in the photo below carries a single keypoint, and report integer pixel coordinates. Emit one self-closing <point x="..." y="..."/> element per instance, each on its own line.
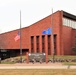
<point x="37" y="57"/>
<point x="3" y="50"/>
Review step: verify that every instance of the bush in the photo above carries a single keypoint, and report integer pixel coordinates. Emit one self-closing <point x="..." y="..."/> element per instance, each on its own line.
<point x="74" y="49"/>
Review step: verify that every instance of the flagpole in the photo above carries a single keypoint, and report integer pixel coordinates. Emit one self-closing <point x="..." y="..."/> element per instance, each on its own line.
<point x="20" y="40"/>
<point x="53" y="52"/>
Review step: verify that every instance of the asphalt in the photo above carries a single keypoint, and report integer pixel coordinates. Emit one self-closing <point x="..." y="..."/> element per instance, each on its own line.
<point x="36" y="66"/>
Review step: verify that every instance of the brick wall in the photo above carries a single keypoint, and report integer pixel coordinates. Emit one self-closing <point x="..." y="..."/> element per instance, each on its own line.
<point x="63" y="36"/>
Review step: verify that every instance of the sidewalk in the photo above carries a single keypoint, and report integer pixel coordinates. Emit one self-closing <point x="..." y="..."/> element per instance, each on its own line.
<point x="36" y="66"/>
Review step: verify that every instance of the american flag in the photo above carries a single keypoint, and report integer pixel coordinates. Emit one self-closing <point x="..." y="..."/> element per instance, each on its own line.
<point x="17" y="37"/>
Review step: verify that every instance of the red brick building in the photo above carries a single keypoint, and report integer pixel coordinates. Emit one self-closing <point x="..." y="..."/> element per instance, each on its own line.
<point x="34" y="41"/>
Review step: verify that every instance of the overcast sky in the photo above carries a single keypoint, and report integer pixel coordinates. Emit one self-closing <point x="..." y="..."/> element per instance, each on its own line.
<point x="31" y="10"/>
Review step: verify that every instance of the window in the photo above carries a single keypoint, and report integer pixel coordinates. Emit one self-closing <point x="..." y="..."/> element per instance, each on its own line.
<point x="75" y="24"/>
<point x="64" y="21"/>
<point x="69" y="23"/>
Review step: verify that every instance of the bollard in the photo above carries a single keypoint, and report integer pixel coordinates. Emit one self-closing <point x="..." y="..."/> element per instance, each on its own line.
<point x="27" y="59"/>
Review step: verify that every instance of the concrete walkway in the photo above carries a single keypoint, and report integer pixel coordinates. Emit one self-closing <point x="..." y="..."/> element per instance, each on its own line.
<point x="36" y="66"/>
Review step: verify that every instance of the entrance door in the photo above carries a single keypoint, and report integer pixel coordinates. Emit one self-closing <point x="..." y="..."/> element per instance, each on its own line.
<point x="4" y="54"/>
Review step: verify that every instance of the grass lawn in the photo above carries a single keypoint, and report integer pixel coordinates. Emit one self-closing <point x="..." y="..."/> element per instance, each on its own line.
<point x="39" y="72"/>
<point x="69" y="63"/>
<point x="62" y="57"/>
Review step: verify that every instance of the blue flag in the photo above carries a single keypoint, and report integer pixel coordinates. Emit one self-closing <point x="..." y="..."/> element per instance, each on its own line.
<point x="48" y="31"/>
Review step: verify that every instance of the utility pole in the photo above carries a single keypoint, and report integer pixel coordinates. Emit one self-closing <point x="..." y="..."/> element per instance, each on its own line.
<point x="52" y="35"/>
<point x="20" y="40"/>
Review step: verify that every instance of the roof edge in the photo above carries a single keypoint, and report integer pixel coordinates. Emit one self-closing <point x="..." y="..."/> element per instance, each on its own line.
<point x="68" y="15"/>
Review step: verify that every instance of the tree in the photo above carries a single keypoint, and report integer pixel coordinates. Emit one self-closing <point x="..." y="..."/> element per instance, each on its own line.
<point x="74" y="49"/>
